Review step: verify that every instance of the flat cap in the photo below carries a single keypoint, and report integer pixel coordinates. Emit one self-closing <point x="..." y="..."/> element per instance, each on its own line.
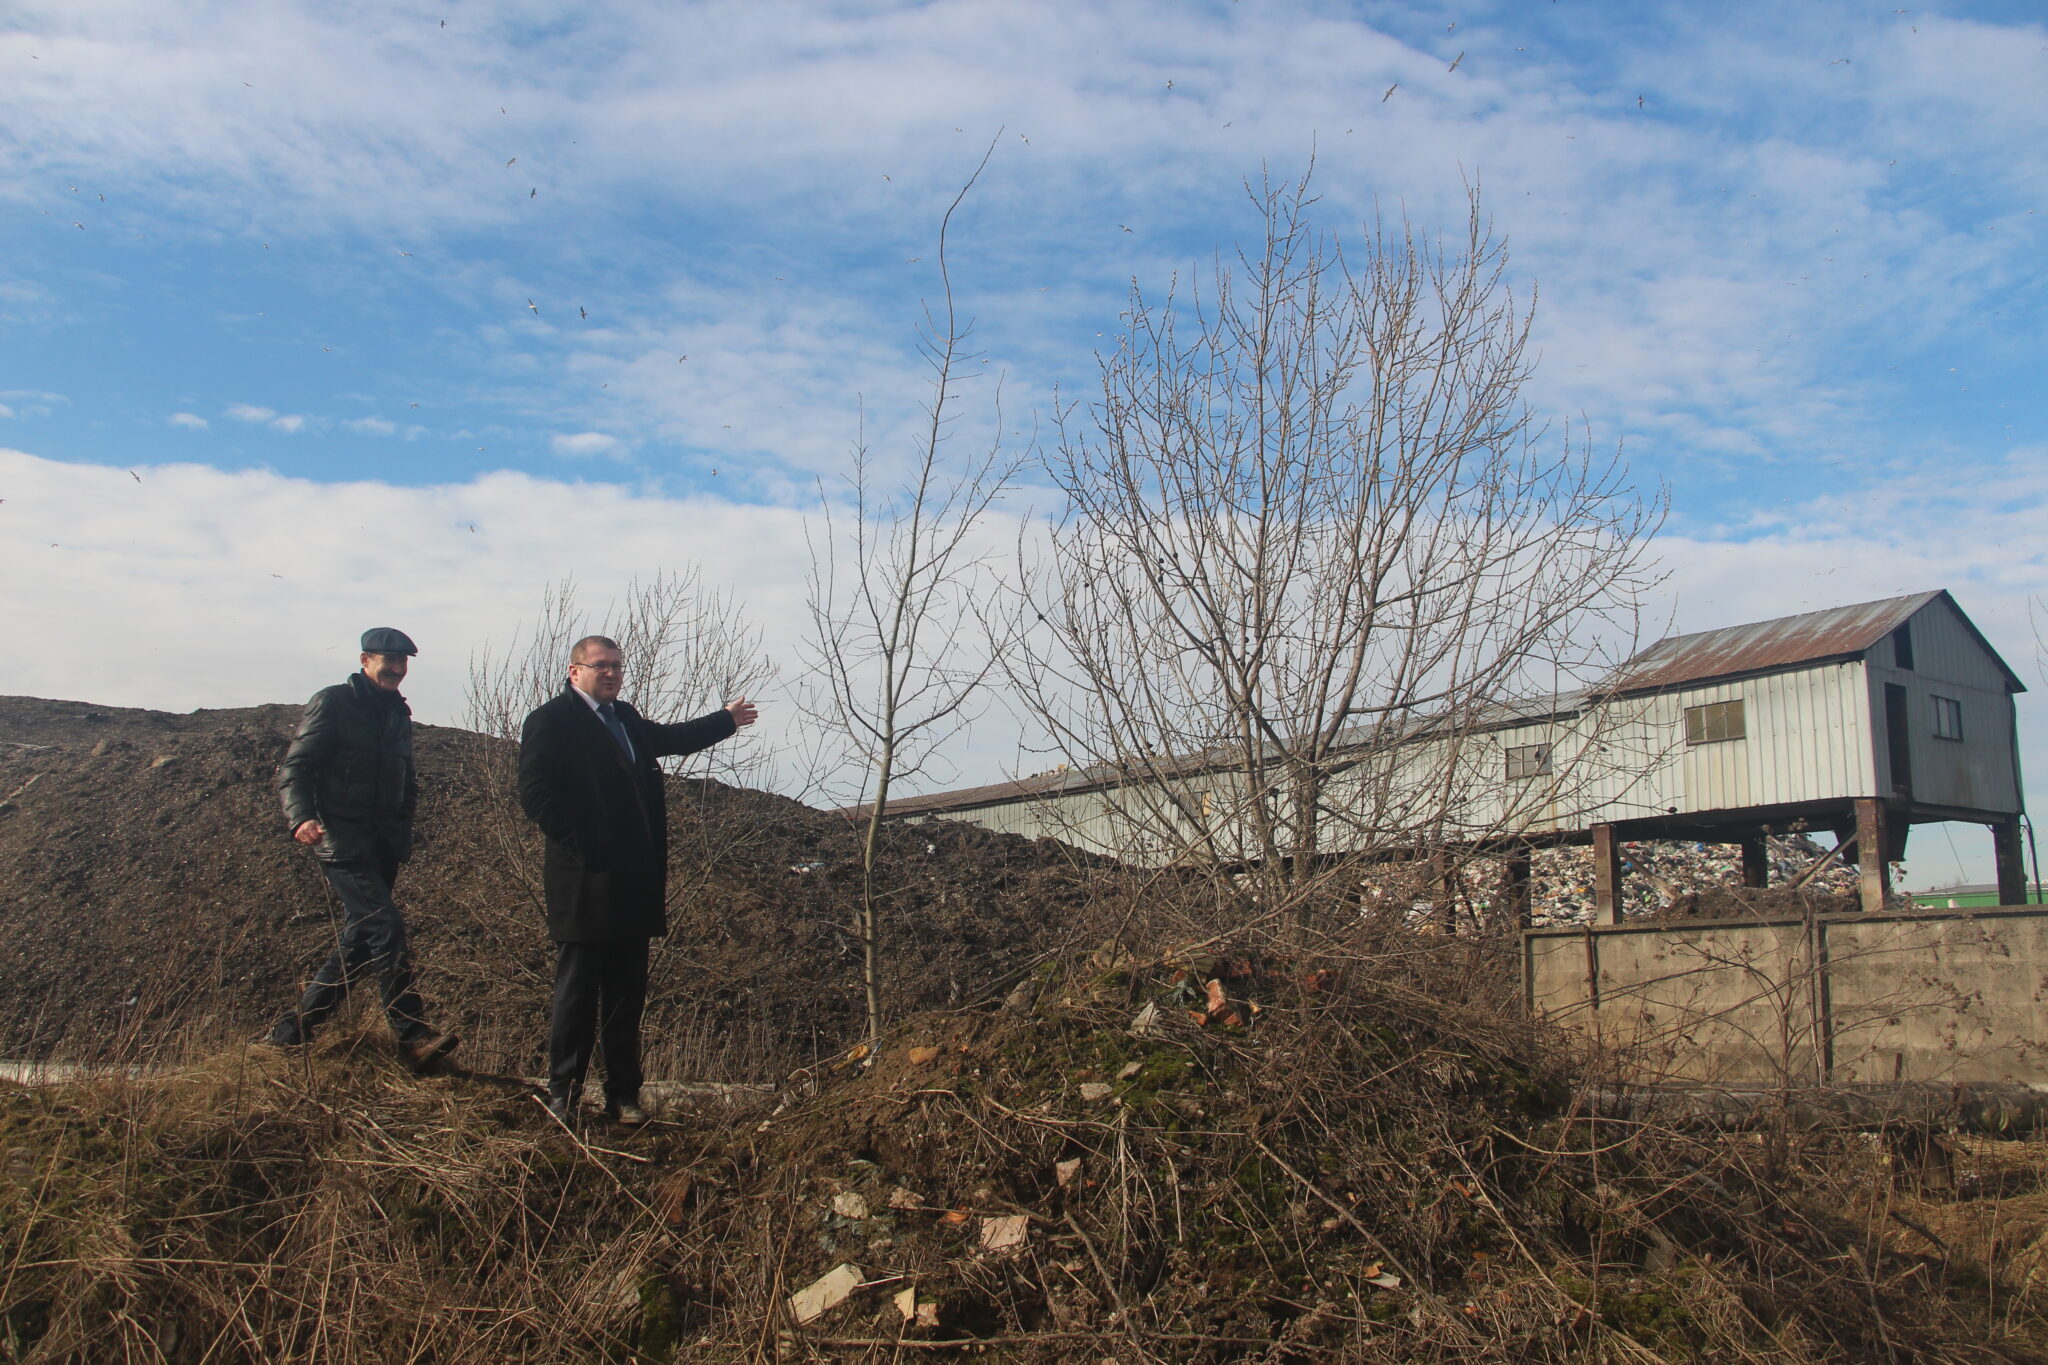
<point x="385" y="640"/>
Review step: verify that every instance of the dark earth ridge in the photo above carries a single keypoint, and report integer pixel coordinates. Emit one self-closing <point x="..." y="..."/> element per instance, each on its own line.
<point x="149" y="892"/>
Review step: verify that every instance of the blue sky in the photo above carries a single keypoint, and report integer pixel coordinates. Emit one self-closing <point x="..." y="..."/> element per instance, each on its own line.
<point x="392" y="302"/>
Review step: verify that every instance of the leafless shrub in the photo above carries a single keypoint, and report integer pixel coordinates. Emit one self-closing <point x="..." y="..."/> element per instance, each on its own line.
<point x="894" y="575"/>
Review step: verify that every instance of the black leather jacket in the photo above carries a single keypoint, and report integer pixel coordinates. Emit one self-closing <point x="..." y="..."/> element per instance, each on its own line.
<point x="351" y="769"/>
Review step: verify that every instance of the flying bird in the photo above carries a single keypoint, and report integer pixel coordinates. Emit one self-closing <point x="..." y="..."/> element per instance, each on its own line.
<point x="1454" y="64"/>
<point x="1390" y="92"/>
<point x="582" y="312"/>
<point x="534" y="306"/>
<point x="135" y="476"/>
<point x="533" y="193"/>
<point x="511" y="162"/>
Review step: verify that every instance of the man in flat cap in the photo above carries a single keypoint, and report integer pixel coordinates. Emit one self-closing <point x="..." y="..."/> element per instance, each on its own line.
<point x="588" y="777"/>
<point x="349" y="789"/>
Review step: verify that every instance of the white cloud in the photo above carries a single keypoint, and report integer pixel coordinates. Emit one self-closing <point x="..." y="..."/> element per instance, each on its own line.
<point x="190" y="420"/>
<point x="194" y="554"/>
<point x="584" y="443"/>
<point x="288" y="423"/>
<point x="371" y="426"/>
<point x="6" y="411"/>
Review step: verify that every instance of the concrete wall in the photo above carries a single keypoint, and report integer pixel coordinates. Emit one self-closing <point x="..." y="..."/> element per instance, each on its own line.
<point x="1839" y="1000"/>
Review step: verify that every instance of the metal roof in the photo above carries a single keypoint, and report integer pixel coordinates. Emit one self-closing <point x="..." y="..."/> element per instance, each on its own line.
<point x="1733" y="651"/>
<point x="1788" y="641"/>
<point x="1491" y="716"/>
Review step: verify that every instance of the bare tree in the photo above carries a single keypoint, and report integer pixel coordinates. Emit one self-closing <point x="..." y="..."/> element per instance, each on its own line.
<point x="892" y="586"/>
<point x="1315" y="549"/>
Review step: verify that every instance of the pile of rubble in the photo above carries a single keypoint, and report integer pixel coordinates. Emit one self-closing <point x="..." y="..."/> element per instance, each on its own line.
<point x="1669" y="875"/>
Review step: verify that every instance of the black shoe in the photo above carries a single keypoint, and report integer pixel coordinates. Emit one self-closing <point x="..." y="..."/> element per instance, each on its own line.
<point x="270" y="1040"/>
<point x="565" y="1111"/>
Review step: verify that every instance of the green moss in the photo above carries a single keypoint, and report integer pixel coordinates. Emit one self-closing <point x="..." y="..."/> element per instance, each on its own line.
<point x="661" y="1321"/>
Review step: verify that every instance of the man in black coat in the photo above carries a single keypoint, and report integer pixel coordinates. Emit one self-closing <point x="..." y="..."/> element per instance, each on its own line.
<point x="588" y="778"/>
<point x="349" y="791"/>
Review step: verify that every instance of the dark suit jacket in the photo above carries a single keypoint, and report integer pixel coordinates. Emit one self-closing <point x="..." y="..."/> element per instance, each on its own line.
<point x="606" y="820"/>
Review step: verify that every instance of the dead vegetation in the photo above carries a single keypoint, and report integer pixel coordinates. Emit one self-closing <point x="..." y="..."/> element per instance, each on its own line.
<point x="1221" y="1156"/>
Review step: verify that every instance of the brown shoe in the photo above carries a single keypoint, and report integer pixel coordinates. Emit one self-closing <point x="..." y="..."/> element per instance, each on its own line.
<point x="429" y="1047"/>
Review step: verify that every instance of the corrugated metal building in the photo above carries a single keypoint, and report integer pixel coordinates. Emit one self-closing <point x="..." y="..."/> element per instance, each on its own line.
<point x="1863" y="719"/>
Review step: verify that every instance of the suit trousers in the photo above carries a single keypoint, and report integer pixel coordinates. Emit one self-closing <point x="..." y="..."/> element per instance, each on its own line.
<point x="373" y="943"/>
<point x="600" y="994"/>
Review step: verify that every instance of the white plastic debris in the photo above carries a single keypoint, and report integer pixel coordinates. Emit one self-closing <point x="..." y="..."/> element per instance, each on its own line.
<point x="1006" y="1233"/>
<point x="1093" y="1091"/>
<point x="849" y="1205"/>
<point x="825" y="1293"/>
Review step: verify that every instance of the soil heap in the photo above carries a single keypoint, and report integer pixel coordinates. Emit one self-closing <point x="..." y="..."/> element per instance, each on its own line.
<point x="150" y="899"/>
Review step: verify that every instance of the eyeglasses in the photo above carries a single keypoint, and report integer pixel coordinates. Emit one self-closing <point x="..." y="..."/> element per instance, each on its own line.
<point x="602" y="668"/>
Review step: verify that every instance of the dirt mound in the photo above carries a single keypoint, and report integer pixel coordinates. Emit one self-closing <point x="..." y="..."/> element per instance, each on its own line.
<point x="1243" y="1158"/>
<point x="148" y="893"/>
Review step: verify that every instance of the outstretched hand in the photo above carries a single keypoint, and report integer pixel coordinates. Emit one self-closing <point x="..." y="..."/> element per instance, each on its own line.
<point x="744" y="712"/>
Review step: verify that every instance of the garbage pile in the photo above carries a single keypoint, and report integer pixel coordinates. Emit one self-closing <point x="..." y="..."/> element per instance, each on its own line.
<point x="1677" y="877"/>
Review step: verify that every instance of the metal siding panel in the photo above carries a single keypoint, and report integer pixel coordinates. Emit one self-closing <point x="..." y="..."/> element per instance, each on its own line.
<point x="1945" y="650"/>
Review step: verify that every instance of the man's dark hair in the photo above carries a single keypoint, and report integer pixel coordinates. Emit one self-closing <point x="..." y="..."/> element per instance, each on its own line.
<point x="584" y="645"/>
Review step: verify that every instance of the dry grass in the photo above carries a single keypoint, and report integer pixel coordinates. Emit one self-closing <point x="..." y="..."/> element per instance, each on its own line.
<point x="1363" y="1173"/>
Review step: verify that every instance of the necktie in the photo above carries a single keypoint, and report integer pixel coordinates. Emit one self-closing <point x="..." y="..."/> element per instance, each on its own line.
<point x="618" y="729"/>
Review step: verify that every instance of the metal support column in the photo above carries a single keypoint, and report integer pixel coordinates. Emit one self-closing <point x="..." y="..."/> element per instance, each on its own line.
<point x="1606" y="876"/>
<point x="1870" y="851"/>
<point x="2012" y="871"/>
<point x="1517" y="877"/>
<point x="1756" y="862"/>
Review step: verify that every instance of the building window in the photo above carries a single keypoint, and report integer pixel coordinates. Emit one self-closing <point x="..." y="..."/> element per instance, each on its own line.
<point x="1714" y="722"/>
<point x="1948" y="718"/>
<point x="1902" y="647"/>
<point x="1528" y="760"/>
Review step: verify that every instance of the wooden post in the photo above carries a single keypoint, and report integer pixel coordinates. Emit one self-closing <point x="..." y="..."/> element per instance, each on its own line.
<point x="2012" y="872"/>
<point x="1870" y="850"/>
<point x="1517" y="875"/>
<point x="1606" y="876"/>
<point x="1756" y="862"/>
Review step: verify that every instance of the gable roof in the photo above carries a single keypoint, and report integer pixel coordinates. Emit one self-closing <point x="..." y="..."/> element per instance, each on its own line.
<point x="1787" y="642"/>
